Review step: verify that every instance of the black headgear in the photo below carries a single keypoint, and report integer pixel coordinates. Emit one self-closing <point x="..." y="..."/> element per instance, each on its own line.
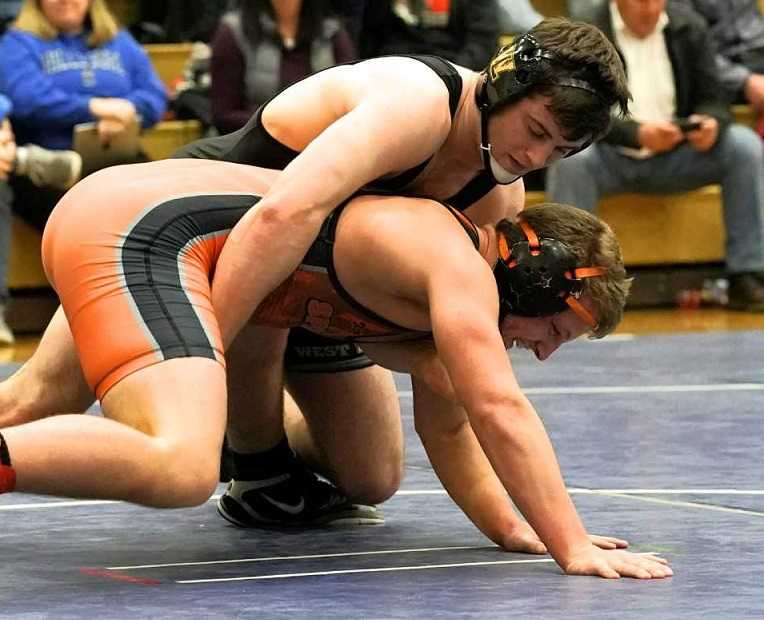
<point x="511" y="73"/>
<point x="538" y="276"/>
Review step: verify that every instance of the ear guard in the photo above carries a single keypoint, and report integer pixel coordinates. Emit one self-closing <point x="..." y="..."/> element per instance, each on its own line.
<point x="538" y="276"/>
<point x="515" y="70"/>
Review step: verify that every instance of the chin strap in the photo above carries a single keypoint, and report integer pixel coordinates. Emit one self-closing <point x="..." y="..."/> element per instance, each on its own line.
<point x="485" y="140"/>
<point x="482" y="104"/>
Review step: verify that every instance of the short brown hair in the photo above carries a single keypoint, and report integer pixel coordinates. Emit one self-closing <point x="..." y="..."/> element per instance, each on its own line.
<point x="102" y="24"/>
<point x="583" y="52"/>
<point x="595" y="245"/>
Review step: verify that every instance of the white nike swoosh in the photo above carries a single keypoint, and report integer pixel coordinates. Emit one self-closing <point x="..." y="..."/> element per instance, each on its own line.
<point x="292" y="509"/>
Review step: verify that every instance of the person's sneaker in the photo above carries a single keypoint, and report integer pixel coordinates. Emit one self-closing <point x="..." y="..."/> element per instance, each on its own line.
<point x="47" y="168"/>
<point x="297" y="498"/>
<point x="6" y="335"/>
<point x="746" y="292"/>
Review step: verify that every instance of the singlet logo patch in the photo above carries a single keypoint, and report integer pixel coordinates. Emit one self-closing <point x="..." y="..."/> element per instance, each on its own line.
<point x="318" y="314"/>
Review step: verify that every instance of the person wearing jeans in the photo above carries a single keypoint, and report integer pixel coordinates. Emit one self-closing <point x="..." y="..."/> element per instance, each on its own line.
<point x="672" y="74"/>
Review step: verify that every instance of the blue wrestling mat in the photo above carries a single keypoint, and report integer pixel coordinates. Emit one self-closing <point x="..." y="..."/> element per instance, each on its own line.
<point x="659" y="438"/>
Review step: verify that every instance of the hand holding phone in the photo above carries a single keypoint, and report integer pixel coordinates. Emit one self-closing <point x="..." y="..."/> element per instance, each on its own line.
<point x="686" y="125"/>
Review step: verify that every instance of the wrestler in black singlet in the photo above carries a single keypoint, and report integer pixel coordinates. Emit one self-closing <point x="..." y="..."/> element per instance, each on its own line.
<point x="253" y="145"/>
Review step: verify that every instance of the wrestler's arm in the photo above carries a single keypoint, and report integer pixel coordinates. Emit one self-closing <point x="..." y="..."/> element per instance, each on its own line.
<point x="464" y="471"/>
<point x="417" y="358"/>
<point x="380" y="127"/>
<point x="502" y="202"/>
<point x="463" y="310"/>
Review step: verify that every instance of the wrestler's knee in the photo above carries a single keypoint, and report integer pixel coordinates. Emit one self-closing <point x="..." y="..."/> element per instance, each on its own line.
<point x="372" y="484"/>
<point x="17" y="407"/>
<point x="182" y="476"/>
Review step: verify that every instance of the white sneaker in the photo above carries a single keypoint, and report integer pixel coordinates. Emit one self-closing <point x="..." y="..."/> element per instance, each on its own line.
<point x="6" y="335"/>
<point x="47" y="168"/>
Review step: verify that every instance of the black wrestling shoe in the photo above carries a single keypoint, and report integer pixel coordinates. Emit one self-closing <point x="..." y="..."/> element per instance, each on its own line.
<point x="297" y="498"/>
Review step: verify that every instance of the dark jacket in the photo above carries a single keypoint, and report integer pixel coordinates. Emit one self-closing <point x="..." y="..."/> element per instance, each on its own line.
<point x="695" y="76"/>
<point x="469" y="38"/>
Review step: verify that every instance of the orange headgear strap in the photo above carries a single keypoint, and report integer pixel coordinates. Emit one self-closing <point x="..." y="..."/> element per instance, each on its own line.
<point x="534" y="246"/>
<point x="573" y="303"/>
<point x="581" y="311"/>
<point x="503" y="248"/>
<point x="531" y="236"/>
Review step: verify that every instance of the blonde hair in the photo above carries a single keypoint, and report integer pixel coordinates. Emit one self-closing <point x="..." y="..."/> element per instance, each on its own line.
<point x="103" y="25"/>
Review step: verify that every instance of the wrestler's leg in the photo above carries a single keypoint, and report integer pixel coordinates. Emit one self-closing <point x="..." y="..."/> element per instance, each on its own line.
<point x="271" y="485"/>
<point x="347" y="426"/>
<point x="50" y="382"/>
<point x="255" y="361"/>
<point x="158" y="445"/>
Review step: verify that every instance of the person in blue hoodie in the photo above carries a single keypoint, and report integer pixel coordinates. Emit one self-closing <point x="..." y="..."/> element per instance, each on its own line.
<point x="65" y="63"/>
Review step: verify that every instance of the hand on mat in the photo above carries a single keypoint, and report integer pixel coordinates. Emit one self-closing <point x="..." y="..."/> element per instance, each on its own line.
<point x="523" y="539"/>
<point x="615" y="564"/>
<point x="608" y="542"/>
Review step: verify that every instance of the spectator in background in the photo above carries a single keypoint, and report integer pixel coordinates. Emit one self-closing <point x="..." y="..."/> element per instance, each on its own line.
<point x="583" y="10"/>
<point x="516" y="16"/>
<point x="7" y="157"/>
<point x="465" y="32"/>
<point x="351" y="12"/>
<point x="672" y="73"/>
<point x="737" y="30"/>
<point x="193" y="20"/>
<point x="44" y="168"/>
<point x="266" y="45"/>
<point x="64" y="63"/>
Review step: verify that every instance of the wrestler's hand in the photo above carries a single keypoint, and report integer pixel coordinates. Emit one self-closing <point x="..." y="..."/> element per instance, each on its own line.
<point x="613" y="564"/>
<point x="523" y="539"/>
<point x="608" y="542"/>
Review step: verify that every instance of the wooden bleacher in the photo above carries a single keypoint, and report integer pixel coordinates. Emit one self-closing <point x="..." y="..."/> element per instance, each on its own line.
<point x="169" y="59"/>
<point x="657" y="230"/>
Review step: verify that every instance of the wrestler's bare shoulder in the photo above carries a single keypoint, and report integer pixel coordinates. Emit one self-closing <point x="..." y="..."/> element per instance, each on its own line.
<point x="390" y="221"/>
<point x="384" y="76"/>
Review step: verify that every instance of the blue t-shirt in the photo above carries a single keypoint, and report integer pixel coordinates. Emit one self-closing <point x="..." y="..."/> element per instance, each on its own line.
<point x="50" y="83"/>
